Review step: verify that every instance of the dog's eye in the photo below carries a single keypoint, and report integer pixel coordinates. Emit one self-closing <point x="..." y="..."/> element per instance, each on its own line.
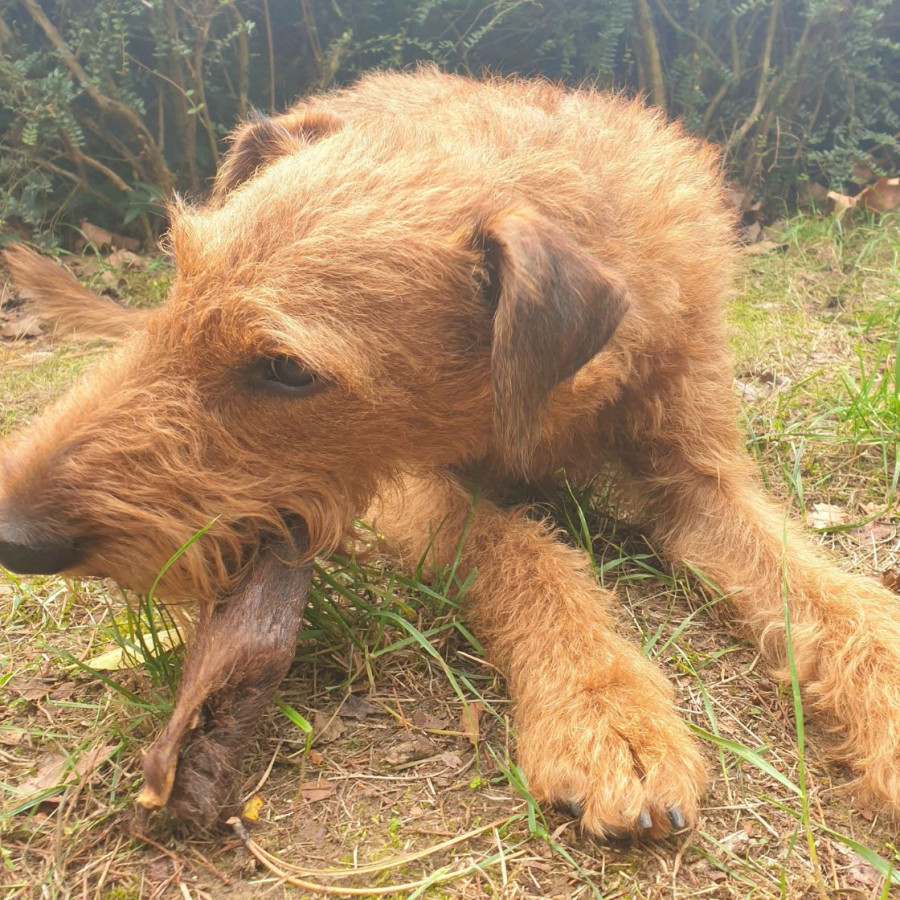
<point x="289" y="372"/>
<point x="283" y="375"/>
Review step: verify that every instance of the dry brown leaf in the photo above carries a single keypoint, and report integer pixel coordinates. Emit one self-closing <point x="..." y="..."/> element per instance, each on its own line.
<point x="842" y="202"/>
<point x="752" y="392"/>
<point x="22" y="327"/>
<point x="882" y="196"/>
<point x="63" y="692"/>
<point x="12" y="737"/>
<point x="316" y="790"/>
<point x="891" y="579"/>
<point x="27" y="688"/>
<point x="824" y="516"/>
<point x="125" y="259"/>
<point x="103" y="238"/>
<point x="469" y="720"/>
<point x="750" y="234"/>
<point x="48" y="775"/>
<point x="874" y="531"/>
<point x="93" y="759"/>
<point x="862" y="873"/>
<point x="416" y="748"/>
<point x="357" y="708"/>
<point x="422" y="719"/>
<point x="110" y="281"/>
<point x="327" y="728"/>
<point x="736" y="197"/>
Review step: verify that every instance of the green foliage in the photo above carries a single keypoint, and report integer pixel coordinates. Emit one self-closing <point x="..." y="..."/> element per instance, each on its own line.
<point x="105" y="105"/>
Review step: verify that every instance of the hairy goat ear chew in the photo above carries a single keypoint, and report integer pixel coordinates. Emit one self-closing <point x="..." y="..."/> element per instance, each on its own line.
<point x="261" y="140"/>
<point x="556" y="308"/>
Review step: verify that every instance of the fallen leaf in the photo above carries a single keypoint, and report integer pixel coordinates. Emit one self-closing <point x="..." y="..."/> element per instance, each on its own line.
<point x="93" y="759"/>
<point x="63" y="692"/>
<point x="451" y="760"/>
<point x="52" y="766"/>
<point x="22" y="327"/>
<point x="48" y="775"/>
<point x="422" y="719"/>
<point x="252" y="808"/>
<point x="875" y="531"/>
<point x="418" y="747"/>
<point x="103" y="238"/>
<point x="891" y="580"/>
<point x="120" y="658"/>
<point x="470" y="718"/>
<point x="736" y="197"/>
<point x="327" y="728"/>
<point x="751" y="392"/>
<point x="125" y="259"/>
<point x="316" y="790"/>
<point x="110" y="281"/>
<point x="357" y="708"/>
<point x="882" y="196"/>
<point x="862" y="873"/>
<point x="27" y="688"/>
<point x="824" y="516"/>
<point x="11" y="737"/>
<point x="750" y="233"/>
<point x="841" y="203"/>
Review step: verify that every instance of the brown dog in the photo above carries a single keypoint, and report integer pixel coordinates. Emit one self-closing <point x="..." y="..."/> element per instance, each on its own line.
<point x="422" y="284"/>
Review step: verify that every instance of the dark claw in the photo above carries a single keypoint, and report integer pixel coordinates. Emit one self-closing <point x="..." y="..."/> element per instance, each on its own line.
<point x="645" y="822"/>
<point x="569" y="808"/>
<point x="676" y="817"/>
<point x="618" y="837"/>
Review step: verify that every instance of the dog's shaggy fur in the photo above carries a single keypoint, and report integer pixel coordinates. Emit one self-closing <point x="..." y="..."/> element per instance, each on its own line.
<point x="489" y="283"/>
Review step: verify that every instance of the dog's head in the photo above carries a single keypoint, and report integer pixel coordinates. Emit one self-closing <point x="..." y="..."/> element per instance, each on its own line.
<point x="354" y="301"/>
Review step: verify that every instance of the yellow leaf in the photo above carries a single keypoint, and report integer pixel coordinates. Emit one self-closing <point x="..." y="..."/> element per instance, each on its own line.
<point x="120" y="658"/>
<point x="252" y="808"/>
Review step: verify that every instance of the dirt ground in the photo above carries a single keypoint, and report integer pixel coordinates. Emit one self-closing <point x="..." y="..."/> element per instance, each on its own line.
<point x="413" y="745"/>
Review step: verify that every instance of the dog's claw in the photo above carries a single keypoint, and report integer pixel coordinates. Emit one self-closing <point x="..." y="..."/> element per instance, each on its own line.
<point x="645" y="823"/>
<point x="676" y="817"/>
<point x="615" y="835"/>
<point x="572" y="808"/>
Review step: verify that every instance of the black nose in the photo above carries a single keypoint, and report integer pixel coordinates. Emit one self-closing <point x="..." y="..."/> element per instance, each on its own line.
<point x="32" y="554"/>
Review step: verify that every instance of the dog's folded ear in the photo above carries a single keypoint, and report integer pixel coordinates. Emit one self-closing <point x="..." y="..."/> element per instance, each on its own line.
<point x="261" y="140"/>
<point x="556" y="306"/>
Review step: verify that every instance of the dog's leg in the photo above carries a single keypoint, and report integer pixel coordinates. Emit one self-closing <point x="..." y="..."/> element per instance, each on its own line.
<point x="698" y="491"/>
<point x="597" y="729"/>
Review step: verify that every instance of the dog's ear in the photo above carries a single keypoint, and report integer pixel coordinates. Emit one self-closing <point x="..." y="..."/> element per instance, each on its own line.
<point x="261" y="140"/>
<point x="555" y="307"/>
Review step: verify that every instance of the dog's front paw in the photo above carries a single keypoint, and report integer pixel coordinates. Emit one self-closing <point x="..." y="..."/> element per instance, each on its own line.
<point x="610" y="748"/>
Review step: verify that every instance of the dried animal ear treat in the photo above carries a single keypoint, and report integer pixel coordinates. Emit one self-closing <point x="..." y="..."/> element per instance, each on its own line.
<point x="238" y="655"/>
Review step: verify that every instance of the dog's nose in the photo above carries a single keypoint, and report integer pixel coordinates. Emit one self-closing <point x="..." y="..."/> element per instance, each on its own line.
<point x="29" y="553"/>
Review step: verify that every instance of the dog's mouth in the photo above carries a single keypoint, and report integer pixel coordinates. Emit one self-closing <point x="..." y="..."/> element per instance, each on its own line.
<point x="239" y="653"/>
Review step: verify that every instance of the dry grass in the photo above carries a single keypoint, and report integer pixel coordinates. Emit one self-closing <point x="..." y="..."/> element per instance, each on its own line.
<point x="393" y="683"/>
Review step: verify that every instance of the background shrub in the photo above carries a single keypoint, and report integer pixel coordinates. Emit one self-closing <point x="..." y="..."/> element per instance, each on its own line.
<point x="108" y="105"/>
